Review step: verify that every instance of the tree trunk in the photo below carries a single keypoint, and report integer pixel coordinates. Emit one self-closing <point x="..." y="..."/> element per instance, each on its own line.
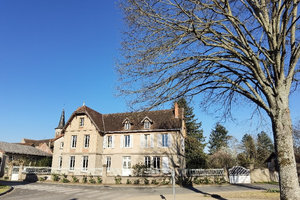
<point x="282" y="129"/>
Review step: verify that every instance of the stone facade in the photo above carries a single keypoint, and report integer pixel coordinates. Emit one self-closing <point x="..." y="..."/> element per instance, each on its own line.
<point x="111" y="144"/>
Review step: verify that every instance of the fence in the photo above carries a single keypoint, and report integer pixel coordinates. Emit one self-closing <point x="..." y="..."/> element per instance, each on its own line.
<point x="202" y="172"/>
<point x="37" y="170"/>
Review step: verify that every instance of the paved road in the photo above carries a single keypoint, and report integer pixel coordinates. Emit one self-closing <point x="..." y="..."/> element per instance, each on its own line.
<point x="45" y="191"/>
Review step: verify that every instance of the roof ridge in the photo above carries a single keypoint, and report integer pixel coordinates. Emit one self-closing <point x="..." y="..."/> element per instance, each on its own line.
<point x="138" y="112"/>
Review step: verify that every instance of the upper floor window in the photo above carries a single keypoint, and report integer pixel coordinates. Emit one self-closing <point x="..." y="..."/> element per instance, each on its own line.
<point x="81" y="123"/>
<point x="61" y="145"/>
<point x="73" y="141"/>
<point x="127" y="141"/>
<point x="110" y="141"/>
<point x="146" y="140"/>
<point x="86" y="141"/>
<point x="85" y="163"/>
<point x="72" y="162"/>
<point x="165" y="140"/>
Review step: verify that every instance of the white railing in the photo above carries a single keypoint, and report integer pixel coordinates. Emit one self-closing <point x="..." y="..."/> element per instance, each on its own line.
<point x="78" y="171"/>
<point x="202" y="172"/>
<point x="37" y="170"/>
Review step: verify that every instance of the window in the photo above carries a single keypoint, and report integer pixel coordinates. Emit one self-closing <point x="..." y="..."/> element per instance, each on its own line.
<point x="165" y="140"/>
<point x="61" y="145"/>
<point x="108" y="163"/>
<point x="73" y="141"/>
<point x="156" y="162"/>
<point x="109" y="141"/>
<point x="127" y="125"/>
<point x="147" y="162"/>
<point x="85" y="163"/>
<point x="146" y="140"/>
<point x="86" y="141"/>
<point x="146" y="124"/>
<point x="81" y="123"/>
<point x="127" y="140"/>
<point x="72" y="162"/>
<point x="59" y="162"/>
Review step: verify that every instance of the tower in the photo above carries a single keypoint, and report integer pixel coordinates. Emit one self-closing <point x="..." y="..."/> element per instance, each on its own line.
<point x="61" y="124"/>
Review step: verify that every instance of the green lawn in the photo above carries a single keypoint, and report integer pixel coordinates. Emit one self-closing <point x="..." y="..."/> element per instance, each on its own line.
<point x="3" y="188"/>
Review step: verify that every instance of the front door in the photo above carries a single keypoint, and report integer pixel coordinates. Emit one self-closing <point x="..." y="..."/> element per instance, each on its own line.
<point x="126" y="169"/>
<point x="15" y="173"/>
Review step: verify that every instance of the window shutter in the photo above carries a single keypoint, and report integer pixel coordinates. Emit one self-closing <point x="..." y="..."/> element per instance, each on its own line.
<point x="152" y="140"/>
<point x="131" y="141"/>
<point x="159" y="140"/>
<point x="104" y="141"/>
<point x="142" y="138"/>
<point x="113" y="141"/>
<point x="170" y="140"/>
<point x="121" y="141"/>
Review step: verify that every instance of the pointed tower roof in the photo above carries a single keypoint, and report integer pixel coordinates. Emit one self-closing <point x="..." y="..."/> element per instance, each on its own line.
<point x="61" y="123"/>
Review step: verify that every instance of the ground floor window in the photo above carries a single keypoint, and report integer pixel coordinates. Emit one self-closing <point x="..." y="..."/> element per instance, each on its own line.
<point x="156" y="162"/>
<point x="85" y="163"/>
<point x="108" y="163"/>
<point x="147" y="161"/>
<point x="72" y="162"/>
<point x="59" y="162"/>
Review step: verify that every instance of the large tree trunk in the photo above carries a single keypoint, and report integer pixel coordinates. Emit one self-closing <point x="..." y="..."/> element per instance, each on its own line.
<point x="282" y="129"/>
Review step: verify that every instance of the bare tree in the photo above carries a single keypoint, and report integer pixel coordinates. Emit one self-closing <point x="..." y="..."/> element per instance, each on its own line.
<point x="223" y="49"/>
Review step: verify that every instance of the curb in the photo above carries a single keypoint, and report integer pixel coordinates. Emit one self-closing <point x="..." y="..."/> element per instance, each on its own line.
<point x="9" y="190"/>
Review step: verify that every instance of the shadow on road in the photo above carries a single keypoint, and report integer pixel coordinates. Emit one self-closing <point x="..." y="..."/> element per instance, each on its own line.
<point x="215" y="196"/>
<point x="254" y="187"/>
<point x="13" y="183"/>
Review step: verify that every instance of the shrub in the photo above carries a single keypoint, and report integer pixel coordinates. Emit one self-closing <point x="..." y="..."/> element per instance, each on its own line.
<point x="118" y="180"/>
<point x="84" y="179"/>
<point x="92" y="180"/>
<point x="165" y="182"/>
<point x="154" y="182"/>
<point x="206" y="180"/>
<point x="136" y="182"/>
<point x="65" y="180"/>
<point x="55" y="177"/>
<point x="128" y="181"/>
<point x="42" y="178"/>
<point x="146" y="181"/>
<point x="218" y="180"/>
<point x="99" y="180"/>
<point x="75" y="179"/>
<point x="139" y="169"/>
<point x="197" y="181"/>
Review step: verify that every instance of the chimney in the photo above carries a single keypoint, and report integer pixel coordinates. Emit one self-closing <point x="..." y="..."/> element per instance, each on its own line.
<point x="176" y="110"/>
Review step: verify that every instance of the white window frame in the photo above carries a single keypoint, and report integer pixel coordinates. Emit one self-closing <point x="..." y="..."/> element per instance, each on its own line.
<point x="59" y="162"/>
<point x="165" y="140"/>
<point x="72" y="163"/>
<point x="109" y="141"/>
<point x="81" y="121"/>
<point x="127" y="125"/>
<point x="147" y="124"/>
<point x="73" y="141"/>
<point x="127" y="141"/>
<point x="147" y="161"/>
<point x="61" y="145"/>
<point x="87" y="141"/>
<point x="85" y="163"/>
<point x="108" y="163"/>
<point x="156" y="162"/>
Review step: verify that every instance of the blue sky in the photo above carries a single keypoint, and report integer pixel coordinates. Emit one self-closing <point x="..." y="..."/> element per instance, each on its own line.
<point x="58" y="54"/>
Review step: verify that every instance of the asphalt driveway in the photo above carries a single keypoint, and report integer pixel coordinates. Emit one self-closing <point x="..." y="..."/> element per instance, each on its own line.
<point x="49" y="191"/>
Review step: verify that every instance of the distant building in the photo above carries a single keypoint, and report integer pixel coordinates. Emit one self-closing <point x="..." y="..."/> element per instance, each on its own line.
<point x="91" y="142"/>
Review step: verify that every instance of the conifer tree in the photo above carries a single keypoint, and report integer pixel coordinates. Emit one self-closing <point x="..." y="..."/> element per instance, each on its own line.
<point x="218" y="138"/>
<point x="194" y="142"/>
<point x="264" y="147"/>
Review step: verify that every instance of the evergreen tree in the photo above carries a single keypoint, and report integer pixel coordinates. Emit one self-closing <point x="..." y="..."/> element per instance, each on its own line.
<point x="218" y="138"/>
<point x="194" y="142"/>
<point x="249" y="148"/>
<point x="264" y="148"/>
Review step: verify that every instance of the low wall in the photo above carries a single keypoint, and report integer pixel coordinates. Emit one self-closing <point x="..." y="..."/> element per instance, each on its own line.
<point x="263" y="175"/>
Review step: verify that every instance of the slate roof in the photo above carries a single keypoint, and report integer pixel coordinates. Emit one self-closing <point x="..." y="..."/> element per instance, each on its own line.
<point x="161" y="119"/>
<point x="21" y="149"/>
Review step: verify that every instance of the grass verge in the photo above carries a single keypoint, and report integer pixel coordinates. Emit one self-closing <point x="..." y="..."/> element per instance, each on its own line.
<point x="4" y="188"/>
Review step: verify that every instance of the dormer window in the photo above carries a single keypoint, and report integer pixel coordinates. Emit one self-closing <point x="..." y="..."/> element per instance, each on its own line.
<point x="127" y="124"/>
<point x="147" y="122"/>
